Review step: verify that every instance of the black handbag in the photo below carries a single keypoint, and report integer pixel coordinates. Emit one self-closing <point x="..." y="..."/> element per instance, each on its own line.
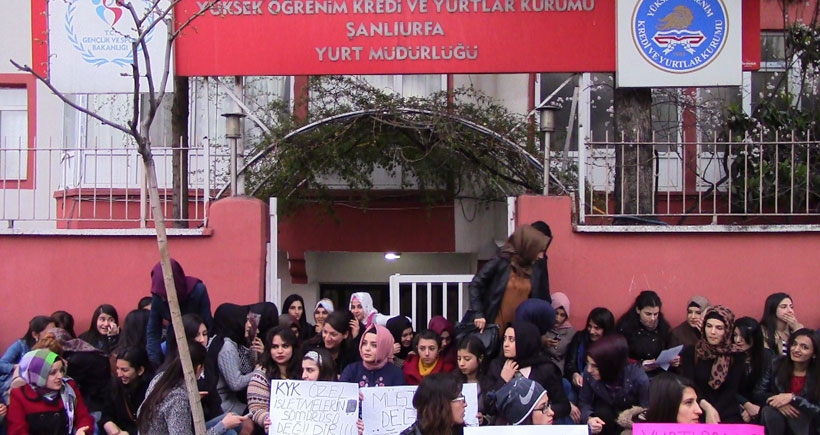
<point x="489" y="336"/>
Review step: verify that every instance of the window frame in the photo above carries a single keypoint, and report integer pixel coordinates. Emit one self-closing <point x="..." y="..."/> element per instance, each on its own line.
<point x="28" y="82"/>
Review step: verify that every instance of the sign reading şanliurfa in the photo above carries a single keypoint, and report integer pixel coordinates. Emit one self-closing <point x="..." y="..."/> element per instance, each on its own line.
<point x="295" y="37"/>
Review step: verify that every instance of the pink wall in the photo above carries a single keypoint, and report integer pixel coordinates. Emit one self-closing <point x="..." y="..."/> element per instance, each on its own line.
<point x="41" y="274"/>
<point x="734" y="269"/>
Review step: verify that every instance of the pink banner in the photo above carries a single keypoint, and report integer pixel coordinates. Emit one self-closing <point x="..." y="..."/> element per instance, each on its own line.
<point x="696" y="429"/>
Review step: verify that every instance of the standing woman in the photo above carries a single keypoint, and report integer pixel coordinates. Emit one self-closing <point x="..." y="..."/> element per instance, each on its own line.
<point x="522" y="355"/>
<point x="646" y="330"/>
<point x="104" y="332"/>
<point x="230" y="361"/>
<point x="278" y="362"/>
<point x="688" y="332"/>
<point x="295" y="306"/>
<point x="375" y="368"/>
<point x="426" y="360"/>
<point x="166" y="409"/>
<point x="119" y="415"/>
<point x="749" y="340"/>
<point x="611" y="385"/>
<point x="508" y="279"/>
<point x="778" y="322"/>
<point x="48" y="403"/>
<point x="716" y="365"/>
<point x="440" y="406"/>
<point x="320" y="313"/>
<point x="790" y="388"/>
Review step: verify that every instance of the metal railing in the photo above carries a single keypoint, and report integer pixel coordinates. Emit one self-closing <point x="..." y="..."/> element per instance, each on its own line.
<point x="444" y="295"/>
<point x="52" y="186"/>
<point x="752" y="181"/>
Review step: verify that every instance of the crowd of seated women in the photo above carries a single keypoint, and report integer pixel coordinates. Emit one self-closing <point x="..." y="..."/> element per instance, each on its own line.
<point x="115" y="378"/>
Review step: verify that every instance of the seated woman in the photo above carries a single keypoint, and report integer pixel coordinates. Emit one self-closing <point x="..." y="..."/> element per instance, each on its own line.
<point x="21" y="346"/>
<point x="320" y="312"/>
<point x="426" y="360"/>
<point x="375" y="368"/>
<point x="444" y="328"/>
<point x="789" y="390"/>
<point x="402" y="331"/>
<point x="611" y="385"/>
<point x="672" y="399"/>
<point x="749" y="340"/>
<point x="522" y="355"/>
<point x="279" y="361"/>
<point x="230" y="361"/>
<point x="778" y="323"/>
<point x="361" y="305"/>
<point x="472" y="366"/>
<point x="600" y="322"/>
<point x="295" y="306"/>
<point x="317" y="365"/>
<point x="646" y="330"/>
<point x="119" y="415"/>
<point x="715" y="364"/>
<point x="559" y="337"/>
<point x="523" y="402"/>
<point x="104" y="332"/>
<point x="166" y="409"/>
<point x="440" y="406"/>
<point x="48" y="403"/>
<point x="688" y="332"/>
<point x="335" y="338"/>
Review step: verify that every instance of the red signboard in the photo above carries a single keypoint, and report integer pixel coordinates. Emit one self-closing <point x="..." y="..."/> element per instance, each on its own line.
<point x="316" y="37"/>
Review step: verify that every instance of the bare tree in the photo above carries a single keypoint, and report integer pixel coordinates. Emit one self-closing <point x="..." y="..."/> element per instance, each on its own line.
<point x="138" y="127"/>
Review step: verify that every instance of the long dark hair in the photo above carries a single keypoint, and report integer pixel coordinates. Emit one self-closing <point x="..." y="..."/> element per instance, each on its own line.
<point x="610" y="354"/>
<point x="133" y="329"/>
<point x="665" y="395"/>
<point x="303" y="324"/>
<point x="93" y="336"/>
<point x="323" y="360"/>
<point x="749" y="329"/>
<point x="631" y="319"/>
<point x="169" y="380"/>
<point x="294" y="366"/>
<point x="137" y="357"/>
<point x="603" y="318"/>
<point x="784" y="371"/>
<point x="36" y="325"/>
<point x="191" y="323"/>
<point x="339" y="320"/>
<point x="768" y="322"/>
<point x="432" y="402"/>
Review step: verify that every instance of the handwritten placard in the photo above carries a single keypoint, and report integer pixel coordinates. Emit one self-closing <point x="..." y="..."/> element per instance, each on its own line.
<point x="696" y="429"/>
<point x="578" y="429"/>
<point x="313" y="408"/>
<point x="389" y="410"/>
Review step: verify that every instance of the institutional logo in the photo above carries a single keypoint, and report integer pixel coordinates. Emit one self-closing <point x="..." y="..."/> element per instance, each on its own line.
<point x="98" y="30"/>
<point x="679" y="36"/>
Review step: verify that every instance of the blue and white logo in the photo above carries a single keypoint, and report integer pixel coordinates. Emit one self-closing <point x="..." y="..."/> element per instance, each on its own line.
<point x="679" y="36"/>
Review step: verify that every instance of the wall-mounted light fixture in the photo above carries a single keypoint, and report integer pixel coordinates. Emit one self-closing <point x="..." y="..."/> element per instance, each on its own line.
<point x="392" y="256"/>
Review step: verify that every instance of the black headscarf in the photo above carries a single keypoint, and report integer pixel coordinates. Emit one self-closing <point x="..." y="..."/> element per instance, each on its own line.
<point x="528" y="350"/>
<point x="268" y="316"/>
<point x="397" y="325"/>
<point x="229" y="322"/>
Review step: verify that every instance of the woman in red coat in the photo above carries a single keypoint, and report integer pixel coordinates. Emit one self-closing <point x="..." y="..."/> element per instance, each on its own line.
<point x="48" y="403"/>
<point x="427" y="359"/>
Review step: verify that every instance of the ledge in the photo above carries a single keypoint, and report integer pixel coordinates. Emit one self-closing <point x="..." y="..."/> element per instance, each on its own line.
<point x="139" y="232"/>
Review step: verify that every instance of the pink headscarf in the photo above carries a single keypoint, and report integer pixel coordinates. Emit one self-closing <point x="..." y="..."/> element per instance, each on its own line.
<point x="384" y="346"/>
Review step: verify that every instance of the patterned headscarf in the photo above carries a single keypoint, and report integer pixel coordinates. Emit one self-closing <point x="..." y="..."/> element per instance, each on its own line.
<point x="722" y="352"/>
<point x="35" y="367"/>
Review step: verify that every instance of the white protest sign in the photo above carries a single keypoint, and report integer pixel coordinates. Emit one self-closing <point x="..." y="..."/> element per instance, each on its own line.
<point x="313" y="408"/>
<point x="389" y="410"/>
<point x="576" y="429"/>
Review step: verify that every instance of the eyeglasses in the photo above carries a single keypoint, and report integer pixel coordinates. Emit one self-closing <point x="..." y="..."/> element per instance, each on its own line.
<point x="459" y="398"/>
<point x="543" y="408"/>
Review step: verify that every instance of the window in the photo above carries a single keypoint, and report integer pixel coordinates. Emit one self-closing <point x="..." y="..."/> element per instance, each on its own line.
<point x="14" y="141"/>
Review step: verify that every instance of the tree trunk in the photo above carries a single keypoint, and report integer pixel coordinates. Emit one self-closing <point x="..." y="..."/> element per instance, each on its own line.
<point x="634" y="164"/>
<point x="179" y="142"/>
<point x="173" y="301"/>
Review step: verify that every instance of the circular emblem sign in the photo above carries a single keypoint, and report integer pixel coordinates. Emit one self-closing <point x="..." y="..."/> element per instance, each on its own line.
<point x="679" y="36"/>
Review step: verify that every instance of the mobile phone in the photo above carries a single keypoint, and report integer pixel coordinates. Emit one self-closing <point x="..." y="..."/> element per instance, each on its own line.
<point x="254" y="318"/>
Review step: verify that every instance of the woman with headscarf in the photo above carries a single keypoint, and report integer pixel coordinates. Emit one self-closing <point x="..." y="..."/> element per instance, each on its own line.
<point x="361" y="305"/>
<point x="193" y="298"/>
<point x="559" y="336"/>
<point x="375" y="368"/>
<point x="230" y="361"/>
<point x="320" y="312"/>
<point x="688" y="332"/>
<point x="89" y="367"/>
<point x="522" y="354"/>
<point x="716" y="365"/>
<point x="48" y="403"/>
<point x="401" y="329"/>
<point x="268" y="317"/>
<point x="510" y="278"/>
<point x="444" y="328"/>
